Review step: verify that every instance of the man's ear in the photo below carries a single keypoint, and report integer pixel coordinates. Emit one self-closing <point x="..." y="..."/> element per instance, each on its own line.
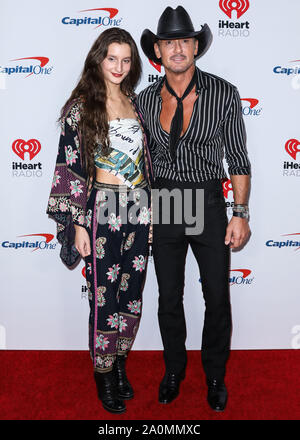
<point x="157" y="50"/>
<point x="196" y="46"/>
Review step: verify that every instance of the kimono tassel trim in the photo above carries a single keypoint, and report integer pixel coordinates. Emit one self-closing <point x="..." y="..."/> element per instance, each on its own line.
<point x="95" y="279"/>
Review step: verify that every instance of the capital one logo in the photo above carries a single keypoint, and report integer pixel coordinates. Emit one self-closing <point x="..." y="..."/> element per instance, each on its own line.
<point x="106" y="20"/>
<point x="251" y="107"/>
<point x="241" y="277"/>
<point x="292" y="147"/>
<point x="40" y="244"/>
<point x="34" y="245"/>
<point x="287" y="70"/>
<point x="38" y="69"/>
<point x="288" y="243"/>
<point x="252" y="101"/>
<point x="112" y="11"/>
<point x="292" y="242"/>
<point x="240" y="6"/>
<point x="21" y="147"/>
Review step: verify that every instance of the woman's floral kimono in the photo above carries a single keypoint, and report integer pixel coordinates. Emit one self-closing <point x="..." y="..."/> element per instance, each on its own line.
<point x="116" y="267"/>
<point x="68" y="197"/>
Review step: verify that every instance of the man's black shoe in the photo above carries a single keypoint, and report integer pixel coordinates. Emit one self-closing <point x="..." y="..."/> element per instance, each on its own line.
<point x="169" y="387"/>
<point x="217" y="394"/>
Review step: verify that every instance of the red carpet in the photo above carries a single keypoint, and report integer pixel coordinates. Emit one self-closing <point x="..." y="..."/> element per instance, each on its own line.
<point x="53" y="385"/>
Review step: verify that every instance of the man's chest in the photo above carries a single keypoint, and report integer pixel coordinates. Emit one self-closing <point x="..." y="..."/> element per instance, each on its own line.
<point x="203" y="118"/>
<point x="168" y="109"/>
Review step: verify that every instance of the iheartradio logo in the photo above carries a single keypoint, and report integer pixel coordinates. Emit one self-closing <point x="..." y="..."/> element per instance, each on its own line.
<point x="290" y="168"/>
<point x="26" y="150"/>
<point x="228" y="28"/>
<point x="84" y="287"/>
<point x="155" y="65"/>
<point x="154" y="78"/>
<point x="292" y="147"/>
<point x="227" y="187"/>
<point x="32" y="147"/>
<point x="240" y="6"/>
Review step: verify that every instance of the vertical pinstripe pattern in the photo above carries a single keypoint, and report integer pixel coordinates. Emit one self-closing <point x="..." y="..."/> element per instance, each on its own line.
<point x="216" y="127"/>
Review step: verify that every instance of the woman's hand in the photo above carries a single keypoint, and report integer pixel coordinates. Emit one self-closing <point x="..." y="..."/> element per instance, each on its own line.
<point x="82" y="241"/>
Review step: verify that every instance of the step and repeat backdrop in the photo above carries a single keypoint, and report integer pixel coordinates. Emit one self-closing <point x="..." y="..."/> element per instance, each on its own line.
<point x="44" y="305"/>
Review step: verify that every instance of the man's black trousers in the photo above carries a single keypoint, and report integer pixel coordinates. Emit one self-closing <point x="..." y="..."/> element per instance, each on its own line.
<point x="170" y="245"/>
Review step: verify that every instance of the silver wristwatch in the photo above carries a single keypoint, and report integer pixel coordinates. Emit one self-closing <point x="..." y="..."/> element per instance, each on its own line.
<point x="241" y="211"/>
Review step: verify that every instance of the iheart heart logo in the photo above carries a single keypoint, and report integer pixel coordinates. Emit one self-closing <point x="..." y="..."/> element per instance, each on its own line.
<point x="227" y="186"/>
<point x="292" y="147"/>
<point x="20" y="147"/>
<point x="240" y="6"/>
<point x="155" y="65"/>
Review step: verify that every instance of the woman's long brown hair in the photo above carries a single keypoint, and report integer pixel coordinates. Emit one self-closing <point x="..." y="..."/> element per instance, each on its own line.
<point x="91" y="91"/>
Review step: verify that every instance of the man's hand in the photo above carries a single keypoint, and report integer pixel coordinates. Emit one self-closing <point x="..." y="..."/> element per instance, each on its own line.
<point x="82" y="241"/>
<point x="237" y="232"/>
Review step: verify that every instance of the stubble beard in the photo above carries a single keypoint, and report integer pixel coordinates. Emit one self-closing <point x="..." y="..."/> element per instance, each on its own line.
<point x="179" y="69"/>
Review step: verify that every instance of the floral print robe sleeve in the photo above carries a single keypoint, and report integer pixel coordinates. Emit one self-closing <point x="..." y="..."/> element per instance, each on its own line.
<point x="67" y="201"/>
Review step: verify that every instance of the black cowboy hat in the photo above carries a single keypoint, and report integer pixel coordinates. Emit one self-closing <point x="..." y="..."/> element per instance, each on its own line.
<point x="174" y="24"/>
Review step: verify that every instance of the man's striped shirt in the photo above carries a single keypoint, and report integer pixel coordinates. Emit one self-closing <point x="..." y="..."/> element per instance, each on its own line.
<point x="216" y="127"/>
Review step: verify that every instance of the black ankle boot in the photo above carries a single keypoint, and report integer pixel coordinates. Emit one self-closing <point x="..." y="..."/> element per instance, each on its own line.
<point x="125" y="390"/>
<point x="217" y="394"/>
<point x="108" y="392"/>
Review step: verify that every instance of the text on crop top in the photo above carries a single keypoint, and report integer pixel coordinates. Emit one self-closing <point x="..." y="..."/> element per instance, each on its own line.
<point x="125" y="154"/>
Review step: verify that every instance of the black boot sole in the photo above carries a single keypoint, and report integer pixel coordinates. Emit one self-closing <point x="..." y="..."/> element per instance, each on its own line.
<point x="113" y="411"/>
<point x="166" y="402"/>
<point x="122" y="397"/>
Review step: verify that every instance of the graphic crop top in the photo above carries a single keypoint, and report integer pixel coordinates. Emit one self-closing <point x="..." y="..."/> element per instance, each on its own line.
<point x="125" y="154"/>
